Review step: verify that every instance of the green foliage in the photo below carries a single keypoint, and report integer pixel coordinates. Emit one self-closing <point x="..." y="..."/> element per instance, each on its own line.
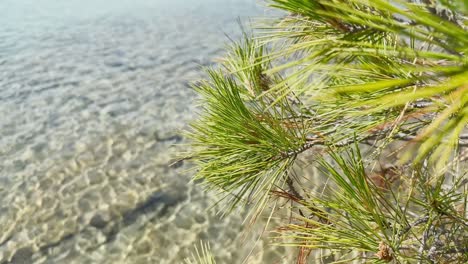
<point x="362" y="217"/>
<point x="334" y="75"/>
<point x="398" y="65"/>
<point x="242" y="144"/>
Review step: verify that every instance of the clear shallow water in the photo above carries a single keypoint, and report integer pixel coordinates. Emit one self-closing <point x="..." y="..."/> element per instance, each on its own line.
<point x="92" y="93"/>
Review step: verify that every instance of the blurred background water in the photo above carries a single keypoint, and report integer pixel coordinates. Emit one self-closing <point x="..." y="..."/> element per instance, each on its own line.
<point x="92" y="94"/>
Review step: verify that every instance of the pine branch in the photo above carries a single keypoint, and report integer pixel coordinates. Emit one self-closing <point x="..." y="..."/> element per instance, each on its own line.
<point x="334" y="75"/>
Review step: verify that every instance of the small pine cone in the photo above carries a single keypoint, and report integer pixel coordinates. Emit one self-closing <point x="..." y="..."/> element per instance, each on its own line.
<point x="385" y="252"/>
<point x="383" y="180"/>
<point x="264" y="82"/>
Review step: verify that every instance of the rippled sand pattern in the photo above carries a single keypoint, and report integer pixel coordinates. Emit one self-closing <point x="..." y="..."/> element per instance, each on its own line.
<point x="90" y="103"/>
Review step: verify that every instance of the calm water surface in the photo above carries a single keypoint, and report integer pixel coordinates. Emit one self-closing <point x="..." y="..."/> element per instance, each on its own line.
<point x="92" y="93"/>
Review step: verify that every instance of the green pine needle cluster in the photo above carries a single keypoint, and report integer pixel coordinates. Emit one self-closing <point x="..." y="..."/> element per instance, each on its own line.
<point x="329" y="77"/>
<point x="354" y="214"/>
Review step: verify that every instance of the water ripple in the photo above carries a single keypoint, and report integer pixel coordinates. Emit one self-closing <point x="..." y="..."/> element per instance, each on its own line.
<point x="92" y="94"/>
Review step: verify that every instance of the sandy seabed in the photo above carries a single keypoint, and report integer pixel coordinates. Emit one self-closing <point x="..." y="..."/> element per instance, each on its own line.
<point x="92" y="96"/>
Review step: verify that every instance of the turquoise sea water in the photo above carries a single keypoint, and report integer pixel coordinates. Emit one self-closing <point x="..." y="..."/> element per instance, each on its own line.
<point x="92" y="94"/>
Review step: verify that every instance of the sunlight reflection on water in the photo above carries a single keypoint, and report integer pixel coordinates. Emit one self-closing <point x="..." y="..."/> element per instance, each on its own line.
<point x="91" y="96"/>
